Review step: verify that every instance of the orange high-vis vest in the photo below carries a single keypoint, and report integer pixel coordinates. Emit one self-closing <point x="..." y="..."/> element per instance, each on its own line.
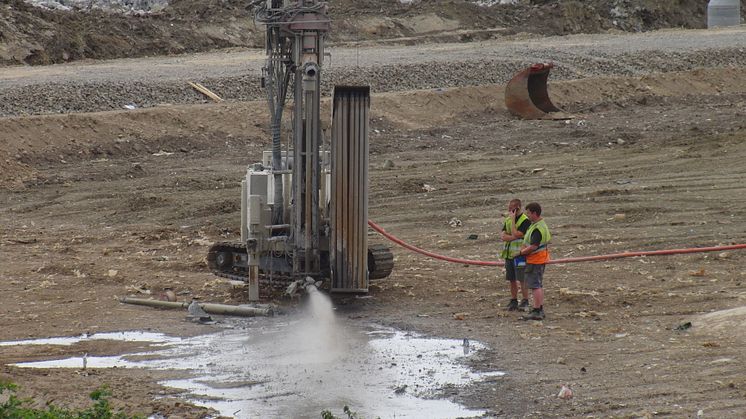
<point x="539" y="256"/>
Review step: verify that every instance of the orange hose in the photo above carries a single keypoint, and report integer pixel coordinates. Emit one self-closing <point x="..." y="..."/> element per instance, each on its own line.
<point x="406" y="245"/>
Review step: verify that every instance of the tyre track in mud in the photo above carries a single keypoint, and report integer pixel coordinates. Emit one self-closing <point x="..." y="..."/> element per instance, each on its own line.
<point x="643" y="371"/>
<point x="616" y="345"/>
<point x="668" y="161"/>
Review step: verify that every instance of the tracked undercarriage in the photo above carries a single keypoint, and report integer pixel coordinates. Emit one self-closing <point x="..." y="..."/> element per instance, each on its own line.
<point x="229" y="260"/>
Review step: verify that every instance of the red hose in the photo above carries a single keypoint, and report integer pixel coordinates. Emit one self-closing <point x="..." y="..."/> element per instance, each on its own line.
<point x="406" y="245"/>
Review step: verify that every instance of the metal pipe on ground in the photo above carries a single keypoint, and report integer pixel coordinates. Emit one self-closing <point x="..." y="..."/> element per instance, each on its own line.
<point x="221" y="309"/>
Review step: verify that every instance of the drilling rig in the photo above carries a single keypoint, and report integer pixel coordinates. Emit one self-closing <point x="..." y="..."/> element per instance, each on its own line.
<point x="304" y="207"/>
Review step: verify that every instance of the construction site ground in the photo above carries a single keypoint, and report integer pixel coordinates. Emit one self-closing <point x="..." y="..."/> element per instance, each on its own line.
<point x="100" y="202"/>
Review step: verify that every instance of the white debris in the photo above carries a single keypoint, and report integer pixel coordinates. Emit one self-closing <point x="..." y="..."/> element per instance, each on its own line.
<point x="197" y="313"/>
<point x="138" y="7"/>
<point x="565" y="393"/>
<point x="490" y="3"/>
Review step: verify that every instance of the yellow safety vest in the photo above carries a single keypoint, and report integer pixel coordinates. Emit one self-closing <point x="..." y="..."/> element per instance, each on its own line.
<point x="512" y="248"/>
<point x="539" y="256"/>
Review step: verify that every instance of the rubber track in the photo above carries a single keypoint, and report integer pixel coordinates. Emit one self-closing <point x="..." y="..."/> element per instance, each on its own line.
<point x="380" y="261"/>
<point x="379" y="256"/>
<point x="235" y="273"/>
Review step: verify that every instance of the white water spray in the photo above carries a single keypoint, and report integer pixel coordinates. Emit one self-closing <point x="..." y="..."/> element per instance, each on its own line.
<point x="317" y="338"/>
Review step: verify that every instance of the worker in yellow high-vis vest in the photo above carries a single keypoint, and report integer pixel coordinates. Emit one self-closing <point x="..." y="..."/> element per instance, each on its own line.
<point x="536" y="250"/>
<point x="514" y="227"/>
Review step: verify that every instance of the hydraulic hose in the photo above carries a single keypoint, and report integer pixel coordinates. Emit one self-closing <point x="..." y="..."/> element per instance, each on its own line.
<point x="415" y="249"/>
<point x="406" y="245"/>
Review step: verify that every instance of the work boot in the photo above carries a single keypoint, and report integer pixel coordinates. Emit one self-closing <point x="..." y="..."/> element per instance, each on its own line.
<point x="512" y="305"/>
<point x="523" y="306"/>
<point x="535" y="314"/>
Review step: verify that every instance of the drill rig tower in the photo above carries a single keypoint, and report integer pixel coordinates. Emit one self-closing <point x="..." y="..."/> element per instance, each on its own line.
<point x="303" y="210"/>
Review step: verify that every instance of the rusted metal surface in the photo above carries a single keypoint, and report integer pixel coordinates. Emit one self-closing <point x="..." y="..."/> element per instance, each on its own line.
<point x="349" y="200"/>
<point x="527" y="97"/>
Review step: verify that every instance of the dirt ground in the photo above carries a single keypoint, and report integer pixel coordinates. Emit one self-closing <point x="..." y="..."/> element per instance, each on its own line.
<point x="40" y="36"/>
<point x="106" y="204"/>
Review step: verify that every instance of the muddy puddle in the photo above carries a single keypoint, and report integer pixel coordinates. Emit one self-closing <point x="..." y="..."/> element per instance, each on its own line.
<point x="299" y="365"/>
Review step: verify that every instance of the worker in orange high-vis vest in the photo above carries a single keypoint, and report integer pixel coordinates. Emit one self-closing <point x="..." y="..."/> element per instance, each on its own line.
<point x="536" y="250"/>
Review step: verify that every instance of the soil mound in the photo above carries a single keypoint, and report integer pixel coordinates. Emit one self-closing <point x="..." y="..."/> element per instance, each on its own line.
<point x="28" y="143"/>
<point x="12" y="172"/>
<point x="40" y="35"/>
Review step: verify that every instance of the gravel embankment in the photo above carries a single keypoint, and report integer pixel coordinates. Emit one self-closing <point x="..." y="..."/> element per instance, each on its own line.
<point x="148" y="82"/>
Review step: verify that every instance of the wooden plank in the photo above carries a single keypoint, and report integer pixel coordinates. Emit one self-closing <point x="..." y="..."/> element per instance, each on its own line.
<point x="205" y="91"/>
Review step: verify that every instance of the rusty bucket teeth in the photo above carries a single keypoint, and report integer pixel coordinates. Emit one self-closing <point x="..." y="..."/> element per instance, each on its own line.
<point x="526" y="94"/>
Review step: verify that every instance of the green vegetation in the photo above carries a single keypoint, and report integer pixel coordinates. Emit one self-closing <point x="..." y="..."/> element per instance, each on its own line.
<point x="327" y="414"/>
<point x="15" y="408"/>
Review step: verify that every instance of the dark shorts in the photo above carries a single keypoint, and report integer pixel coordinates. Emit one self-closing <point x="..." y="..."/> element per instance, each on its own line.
<point x="512" y="273"/>
<point x="534" y="275"/>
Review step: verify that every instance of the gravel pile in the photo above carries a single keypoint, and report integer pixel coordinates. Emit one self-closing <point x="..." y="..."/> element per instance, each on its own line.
<point x="100" y="96"/>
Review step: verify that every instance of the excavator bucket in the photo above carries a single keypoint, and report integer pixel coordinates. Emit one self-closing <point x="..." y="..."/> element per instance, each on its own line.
<point x="526" y="94"/>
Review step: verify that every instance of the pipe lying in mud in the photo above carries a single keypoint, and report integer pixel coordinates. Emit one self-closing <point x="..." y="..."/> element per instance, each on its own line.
<point x="222" y="309"/>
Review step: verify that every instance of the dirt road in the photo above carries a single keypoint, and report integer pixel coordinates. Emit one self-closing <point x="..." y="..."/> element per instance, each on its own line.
<point x="237" y="62"/>
<point x="111" y="203"/>
<point x="234" y="75"/>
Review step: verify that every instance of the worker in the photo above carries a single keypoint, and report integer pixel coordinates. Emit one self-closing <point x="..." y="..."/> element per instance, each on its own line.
<point x="536" y="250"/>
<point x="514" y="227"/>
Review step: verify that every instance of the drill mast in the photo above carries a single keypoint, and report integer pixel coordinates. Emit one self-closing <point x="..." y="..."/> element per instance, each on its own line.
<point x="295" y="50"/>
<point x="304" y="211"/>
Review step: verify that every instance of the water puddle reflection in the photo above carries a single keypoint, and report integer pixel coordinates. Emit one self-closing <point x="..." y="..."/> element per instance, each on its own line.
<point x="297" y="367"/>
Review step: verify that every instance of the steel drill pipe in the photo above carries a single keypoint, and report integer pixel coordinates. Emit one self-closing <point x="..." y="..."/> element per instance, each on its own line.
<point x="222" y="309"/>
